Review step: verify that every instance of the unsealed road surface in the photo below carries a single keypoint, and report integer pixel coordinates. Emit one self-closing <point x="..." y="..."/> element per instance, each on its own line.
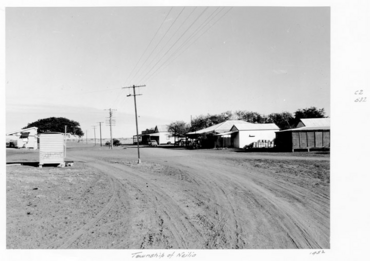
<point x="204" y="199"/>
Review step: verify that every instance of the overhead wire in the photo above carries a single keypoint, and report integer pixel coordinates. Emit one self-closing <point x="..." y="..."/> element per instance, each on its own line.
<point x="126" y="81"/>
<point x="151" y="75"/>
<point x="179" y="39"/>
<point x="185" y="20"/>
<point x="206" y="22"/>
<point x="159" y="42"/>
<point x="146" y="77"/>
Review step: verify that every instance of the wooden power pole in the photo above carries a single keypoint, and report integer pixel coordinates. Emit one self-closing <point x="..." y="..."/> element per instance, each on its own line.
<point x="110" y="125"/>
<point x="100" y="133"/>
<point x="137" y="128"/>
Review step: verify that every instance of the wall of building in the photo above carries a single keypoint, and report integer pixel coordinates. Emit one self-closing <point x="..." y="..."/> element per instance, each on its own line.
<point x="166" y="137"/>
<point x="311" y="139"/>
<point x="52" y="148"/>
<point x="243" y="138"/>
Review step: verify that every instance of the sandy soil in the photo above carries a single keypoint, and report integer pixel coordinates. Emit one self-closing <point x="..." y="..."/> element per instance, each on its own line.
<point x="182" y="199"/>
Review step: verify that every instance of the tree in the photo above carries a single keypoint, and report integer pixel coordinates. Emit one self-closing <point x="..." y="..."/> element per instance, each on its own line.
<point x="148" y="131"/>
<point x="250" y="116"/>
<point x="116" y="142"/>
<point x="202" y="122"/>
<point x="178" y="128"/>
<point x="224" y="116"/>
<point x="56" y="125"/>
<point x="311" y="112"/>
<point x="284" y="120"/>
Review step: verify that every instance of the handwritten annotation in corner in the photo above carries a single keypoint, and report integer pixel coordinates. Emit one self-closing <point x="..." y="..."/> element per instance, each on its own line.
<point x="160" y="255"/>
<point x="317" y="252"/>
<point x="360" y="96"/>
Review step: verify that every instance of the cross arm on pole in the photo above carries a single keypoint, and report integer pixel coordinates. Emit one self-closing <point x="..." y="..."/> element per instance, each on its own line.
<point x="134" y="86"/>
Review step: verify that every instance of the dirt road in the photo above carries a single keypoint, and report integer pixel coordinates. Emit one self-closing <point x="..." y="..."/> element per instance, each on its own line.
<point x="203" y="199"/>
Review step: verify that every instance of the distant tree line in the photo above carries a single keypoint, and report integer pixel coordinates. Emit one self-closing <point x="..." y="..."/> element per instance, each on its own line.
<point x="284" y="120"/>
<point x="54" y="124"/>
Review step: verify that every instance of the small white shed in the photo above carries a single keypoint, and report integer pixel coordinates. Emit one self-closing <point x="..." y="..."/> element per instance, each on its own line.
<point x="244" y="134"/>
<point x="52" y="149"/>
<point x="25" y="138"/>
<point x="161" y="135"/>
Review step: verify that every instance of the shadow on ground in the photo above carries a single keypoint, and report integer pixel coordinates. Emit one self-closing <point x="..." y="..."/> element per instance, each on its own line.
<point x="34" y="163"/>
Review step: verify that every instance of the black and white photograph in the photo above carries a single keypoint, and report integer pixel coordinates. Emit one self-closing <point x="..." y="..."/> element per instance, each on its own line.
<point x="169" y="131"/>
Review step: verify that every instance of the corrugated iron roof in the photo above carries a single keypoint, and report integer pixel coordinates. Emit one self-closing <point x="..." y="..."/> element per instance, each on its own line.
<point x="316" y="122"/>
<point x="306" y="129"/>
<point x="23" y="130"/>
<point x="255" y="126"/>
<point x="219" y="128"/>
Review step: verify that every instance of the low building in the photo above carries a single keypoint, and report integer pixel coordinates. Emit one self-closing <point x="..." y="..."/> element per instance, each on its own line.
<point x="25" y="138"/>
<point x="217" y="135"/>
<point x="308" y="135"/>
<point x="253" y="135"/>
<point x="52" y="148"/>
<point x="161" y="135"/>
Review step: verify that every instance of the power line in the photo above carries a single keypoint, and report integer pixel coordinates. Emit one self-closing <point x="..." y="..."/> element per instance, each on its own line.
<point x="206" y="22"/>
<point x="178" y="39"/>
<point x="169" y="40"/>
<point x="147" y="78"/>
<point x="159" y="43"/>
<point x="148" y="45"/>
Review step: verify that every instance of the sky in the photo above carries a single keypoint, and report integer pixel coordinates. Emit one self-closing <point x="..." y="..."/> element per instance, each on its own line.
<point x="73" y="62"/>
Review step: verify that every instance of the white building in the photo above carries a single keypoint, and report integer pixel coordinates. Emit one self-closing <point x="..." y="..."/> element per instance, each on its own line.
<point x="245" y="134"/>
<point x="161" y="135"/>
<point x="52" y="148"/>
<point x="25" y="138"/>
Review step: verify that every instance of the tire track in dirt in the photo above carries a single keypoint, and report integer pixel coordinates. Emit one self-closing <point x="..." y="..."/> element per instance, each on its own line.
<point x="217" y="206"/>
<point x="84" y="229"/>
<point x="281" y="215"/>
<point x="219" y="211"/>
<point x="166" y="211"/>
<point x="279" y="210"/>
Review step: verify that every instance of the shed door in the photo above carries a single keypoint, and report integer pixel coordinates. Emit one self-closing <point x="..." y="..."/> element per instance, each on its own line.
<point x="311" y="139"/>
<point x="326" y="139"/>
<point x="295" y="139"/>
<point x="318" y="139"/>
<point x="303" y="139"/>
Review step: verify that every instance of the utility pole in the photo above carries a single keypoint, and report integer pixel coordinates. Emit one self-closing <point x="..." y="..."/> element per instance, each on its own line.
<point x="94" y="135"/>
<point x="100" y="133"/>
<point x="110" y="124"/>
<point x="65" y="141"/>
<point x="137" y="129"/>
<point x="86" y="136"/>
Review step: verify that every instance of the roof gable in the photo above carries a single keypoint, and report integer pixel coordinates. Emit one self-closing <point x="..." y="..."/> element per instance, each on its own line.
<point x="314" y="122"/>
<point x="254" y="126"/>
<point x="219" y="128"/>
<point x="31" y="130"/>
<point x="161" y="128"/>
